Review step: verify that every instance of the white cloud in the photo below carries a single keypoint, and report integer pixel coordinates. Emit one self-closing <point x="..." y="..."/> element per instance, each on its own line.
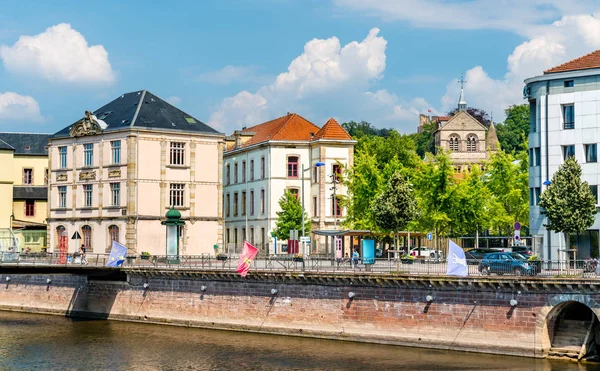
<point x="559" y="42"/>
<point x="324" y="70"/>
<point x="174" y="100"/>
<point x="233" y="74"/>
<point x="59" y="54"/>
<point x="397" y="112"/>
<point x="15" y="107"/>
<point x="514" y="15"/>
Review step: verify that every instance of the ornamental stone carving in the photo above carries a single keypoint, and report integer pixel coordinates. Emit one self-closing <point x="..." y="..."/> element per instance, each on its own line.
<point x="87" y="175"/>
<point x="89" y="125"/>
<point x="114" y="173"/>
<point x="61" y="177"/>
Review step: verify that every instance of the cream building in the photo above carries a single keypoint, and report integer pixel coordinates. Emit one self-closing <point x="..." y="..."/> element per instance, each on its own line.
<point x="467" y="140"/>
<point x="115" y="173"/>
<point x="262" y="161"/>
<point x="24" y="191"/>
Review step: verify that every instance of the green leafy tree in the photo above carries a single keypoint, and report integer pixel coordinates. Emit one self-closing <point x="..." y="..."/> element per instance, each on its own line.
<point x="396" y="206"/>
<point x="470" y="200"/>
<point x="515" y="128"/>
<point x="435" y="180"/>
<point x="290" y="217"/>
<point x="507" y="179"/>
<point x="425" y="140"/>
<point x="363" y="128"/>
<point x="568" y="202"/>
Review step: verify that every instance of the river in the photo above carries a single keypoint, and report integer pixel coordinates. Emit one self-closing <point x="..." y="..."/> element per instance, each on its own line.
<point x="42" y="342"/>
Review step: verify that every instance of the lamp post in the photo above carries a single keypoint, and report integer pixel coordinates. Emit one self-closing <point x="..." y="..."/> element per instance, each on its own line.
<point x="317" y="164"/>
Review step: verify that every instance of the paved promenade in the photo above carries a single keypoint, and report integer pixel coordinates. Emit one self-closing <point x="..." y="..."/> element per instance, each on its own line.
<point x="287" y="263"/>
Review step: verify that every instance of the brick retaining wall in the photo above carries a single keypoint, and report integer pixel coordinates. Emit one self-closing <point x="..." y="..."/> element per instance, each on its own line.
<point x="471" y="314"/>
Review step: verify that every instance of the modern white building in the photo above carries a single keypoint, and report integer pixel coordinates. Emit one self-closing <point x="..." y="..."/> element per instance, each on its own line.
<point x="565" y="121"/>
<point x="262" y="161"/>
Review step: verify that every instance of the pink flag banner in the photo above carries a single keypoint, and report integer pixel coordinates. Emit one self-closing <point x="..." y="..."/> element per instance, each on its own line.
<point x="248" y="254"/>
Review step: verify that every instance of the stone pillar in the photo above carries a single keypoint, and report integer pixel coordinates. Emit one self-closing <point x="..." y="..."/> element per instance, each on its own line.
<point x="193" y="179"/>
<point x="163" y="174"/>
<point x="220" y="149"/>
<point x="132" y="207"/>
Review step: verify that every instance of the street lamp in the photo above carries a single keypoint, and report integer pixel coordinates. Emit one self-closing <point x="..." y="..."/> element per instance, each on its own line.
<point x="317" y="164"/>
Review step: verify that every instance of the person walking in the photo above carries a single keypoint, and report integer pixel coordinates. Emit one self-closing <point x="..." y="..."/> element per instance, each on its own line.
<point x="355" y="258"/>
<point x="82" y="251"/>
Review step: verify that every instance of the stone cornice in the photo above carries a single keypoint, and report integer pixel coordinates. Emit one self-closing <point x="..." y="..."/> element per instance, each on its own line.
<point x="533" y="284"/>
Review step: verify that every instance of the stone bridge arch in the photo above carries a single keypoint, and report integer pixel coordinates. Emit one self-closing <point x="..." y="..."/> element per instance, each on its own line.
<point x="549" y="314"/>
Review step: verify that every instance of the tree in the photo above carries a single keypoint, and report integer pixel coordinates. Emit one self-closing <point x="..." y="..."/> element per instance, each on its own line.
<point x="507" y="179"/>
<point x="470" y="200"/>
<point x="360" y="129"/>
<point x="425" y="140"/>
<point x="478" y="114"/>
<point x="396" y="206"/>
<point x="568" y="202"/>
<point x="290" y="216"/>
<point x="434" y="182"/>
<point x="514" y="130"/>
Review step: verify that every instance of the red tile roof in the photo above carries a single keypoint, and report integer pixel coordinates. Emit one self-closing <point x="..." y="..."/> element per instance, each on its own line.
<point x="289" y="127"/>
<point x="585" y="62"/>
<point x="332" y="130"/>
<point x="442" y="118"/>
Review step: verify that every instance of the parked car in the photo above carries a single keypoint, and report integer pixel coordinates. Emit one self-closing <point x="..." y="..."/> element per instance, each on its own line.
<point x="426" y="252"/>
<point x="474" y="256"/>
<point x="523" y="250"/>
<point x="507" y="263"/>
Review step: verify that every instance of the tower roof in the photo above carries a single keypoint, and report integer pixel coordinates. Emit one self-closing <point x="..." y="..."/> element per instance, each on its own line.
<point x="462" y="103"/>
<point x="492" y="138"/>
<point x="332" y="130"/>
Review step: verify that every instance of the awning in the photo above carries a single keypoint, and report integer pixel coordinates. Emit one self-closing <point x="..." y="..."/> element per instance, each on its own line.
<point x="22" y="224"/>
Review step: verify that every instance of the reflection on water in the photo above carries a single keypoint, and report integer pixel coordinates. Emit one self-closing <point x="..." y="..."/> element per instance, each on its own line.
<point x="37" y="342"/>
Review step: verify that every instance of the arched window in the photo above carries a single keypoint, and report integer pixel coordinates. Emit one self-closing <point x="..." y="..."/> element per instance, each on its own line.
<point x="86" y="234"/>
<point x="472" y="143"/>
<point x="453" y="142"/>
<point x="113" y="231"/>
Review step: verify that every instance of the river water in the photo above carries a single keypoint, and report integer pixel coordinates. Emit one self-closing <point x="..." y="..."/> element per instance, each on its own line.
<point x="40" y="342"/>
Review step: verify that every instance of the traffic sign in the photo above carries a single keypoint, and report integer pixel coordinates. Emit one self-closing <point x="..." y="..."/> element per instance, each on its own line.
<point x="429" y="236"/>
<point x="76" y="236"/>
<point x="517" y="226"/>
<point x="517" y="235"/>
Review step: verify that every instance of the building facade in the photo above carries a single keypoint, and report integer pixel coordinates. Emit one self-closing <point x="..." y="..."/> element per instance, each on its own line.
<point x="263" y="161"/>
<point x="116" y="172"/>
<point x="24" y="192"/>
<point x="464" y="137"/>
<point x="565" y="118"/>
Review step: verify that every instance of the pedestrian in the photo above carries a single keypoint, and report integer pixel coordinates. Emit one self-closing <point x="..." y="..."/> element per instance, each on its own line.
<point x="82" y="251"/>
<point x="355" y="258"/>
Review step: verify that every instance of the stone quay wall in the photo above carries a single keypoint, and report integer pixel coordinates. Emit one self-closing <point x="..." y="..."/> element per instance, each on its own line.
<point x="468" y="314"/>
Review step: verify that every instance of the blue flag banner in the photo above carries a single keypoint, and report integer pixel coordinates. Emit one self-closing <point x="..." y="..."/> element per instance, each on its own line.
<point x="117" y="255"/>
<point x="457" y="262"/>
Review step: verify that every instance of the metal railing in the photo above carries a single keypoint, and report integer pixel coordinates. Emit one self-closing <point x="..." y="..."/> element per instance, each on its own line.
<point x="579" y="268"/>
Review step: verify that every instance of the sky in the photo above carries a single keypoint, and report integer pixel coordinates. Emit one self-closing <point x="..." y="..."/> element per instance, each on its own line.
<point x="237" y="63"/>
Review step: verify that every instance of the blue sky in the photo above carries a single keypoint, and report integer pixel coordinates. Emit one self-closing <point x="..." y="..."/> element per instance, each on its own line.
<point x="238" y="63"/>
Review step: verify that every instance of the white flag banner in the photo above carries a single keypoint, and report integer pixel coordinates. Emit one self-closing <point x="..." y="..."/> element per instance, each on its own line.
<point x="457" y="262"/>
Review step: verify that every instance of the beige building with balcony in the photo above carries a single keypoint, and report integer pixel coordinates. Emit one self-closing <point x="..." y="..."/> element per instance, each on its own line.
<point x="116" y="172"/>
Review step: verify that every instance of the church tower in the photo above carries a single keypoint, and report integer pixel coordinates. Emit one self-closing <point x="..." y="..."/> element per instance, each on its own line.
<point x="462" y="103"/>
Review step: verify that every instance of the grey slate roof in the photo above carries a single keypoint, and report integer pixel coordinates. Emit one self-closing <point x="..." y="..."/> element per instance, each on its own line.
<point x="27" y="143"/>
<point x="30" y="193"/>
<point x="4" y="145"/>
<point x="142" y="109"/>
